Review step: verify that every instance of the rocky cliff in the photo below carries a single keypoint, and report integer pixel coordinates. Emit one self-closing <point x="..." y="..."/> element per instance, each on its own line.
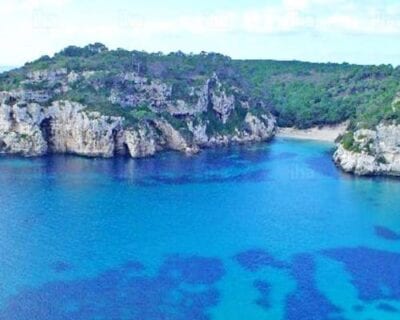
<point x="95" y="102"/>
<point x="371" y="152"/>
<point x="33" y="126"/>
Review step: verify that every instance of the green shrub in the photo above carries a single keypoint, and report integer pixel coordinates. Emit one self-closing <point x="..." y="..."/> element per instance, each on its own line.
<point x="348" y="141"/>
<point x="142" y="112"/>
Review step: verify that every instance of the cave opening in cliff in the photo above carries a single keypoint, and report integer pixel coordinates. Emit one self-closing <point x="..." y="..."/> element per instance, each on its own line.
<point x="120" y="148"/>
<point x="46" y="129"/>
<point x="3" y="145"/>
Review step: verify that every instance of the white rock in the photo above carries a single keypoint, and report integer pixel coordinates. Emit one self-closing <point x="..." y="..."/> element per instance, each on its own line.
<point x="378" y="152"/>
<point x="140" y="143"/>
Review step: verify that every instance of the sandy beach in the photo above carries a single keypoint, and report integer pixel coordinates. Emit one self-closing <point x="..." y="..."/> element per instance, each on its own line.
<point x="324" y="133"/>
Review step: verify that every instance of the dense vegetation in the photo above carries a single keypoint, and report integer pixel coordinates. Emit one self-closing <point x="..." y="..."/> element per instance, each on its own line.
<point x="305" y="94"/>
<point x="298" y="93"/>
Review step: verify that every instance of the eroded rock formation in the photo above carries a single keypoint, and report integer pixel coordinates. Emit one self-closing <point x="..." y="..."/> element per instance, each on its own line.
<point x="371" y="152"/>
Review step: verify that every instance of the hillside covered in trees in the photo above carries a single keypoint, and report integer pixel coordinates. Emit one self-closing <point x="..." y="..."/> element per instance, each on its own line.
<point x="298" y="93"/>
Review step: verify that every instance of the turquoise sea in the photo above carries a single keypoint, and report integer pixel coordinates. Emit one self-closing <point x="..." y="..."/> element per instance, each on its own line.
<point x="271" y="231"/>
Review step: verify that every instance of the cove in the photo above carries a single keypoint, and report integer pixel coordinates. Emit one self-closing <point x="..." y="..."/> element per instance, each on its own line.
<point x="268" y="231"/>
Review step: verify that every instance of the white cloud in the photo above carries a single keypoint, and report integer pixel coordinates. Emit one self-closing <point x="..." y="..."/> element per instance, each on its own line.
<point x="18" y="6"/>
<point x="33" y="4"/>
<point x="290" y="16"/>
<point x="296" y="4"/>
<point x="44" y="26"/>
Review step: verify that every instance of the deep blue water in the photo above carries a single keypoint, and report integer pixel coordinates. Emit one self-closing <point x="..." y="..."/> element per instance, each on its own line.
<point x="272" y="231"/>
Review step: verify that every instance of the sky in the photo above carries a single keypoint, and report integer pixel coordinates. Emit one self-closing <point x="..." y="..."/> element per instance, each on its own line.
<point x="354" y="31"/>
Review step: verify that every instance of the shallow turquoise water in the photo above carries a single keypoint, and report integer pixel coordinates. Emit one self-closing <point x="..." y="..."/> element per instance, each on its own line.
<point x="272" y="231"/>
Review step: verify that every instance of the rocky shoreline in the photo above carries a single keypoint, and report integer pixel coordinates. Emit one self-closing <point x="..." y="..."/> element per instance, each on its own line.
<point x="65" y="127"/>
<point x="98" y="103"/>
<point x="30" y="129"/>
<point x="370" y="152"/>
<point x="365" y="152"/>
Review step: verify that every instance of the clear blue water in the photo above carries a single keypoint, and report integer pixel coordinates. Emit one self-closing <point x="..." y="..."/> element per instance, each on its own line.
<point x="272" y="231"/>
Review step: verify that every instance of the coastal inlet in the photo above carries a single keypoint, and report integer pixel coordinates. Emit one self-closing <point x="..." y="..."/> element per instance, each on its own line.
<point x="268" y="231"/>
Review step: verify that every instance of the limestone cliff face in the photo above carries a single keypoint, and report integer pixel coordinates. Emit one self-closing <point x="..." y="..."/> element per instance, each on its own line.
<point x="172" y="139"/>
<point x="126" y="112"/>
<point x="32" y="129"/>
<point x="372" y="152"/>
<point x="222" y="103"/>
<point x="139" y="143"/>
<point x="69" y="130"/>
<point x="20" y="132"/>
